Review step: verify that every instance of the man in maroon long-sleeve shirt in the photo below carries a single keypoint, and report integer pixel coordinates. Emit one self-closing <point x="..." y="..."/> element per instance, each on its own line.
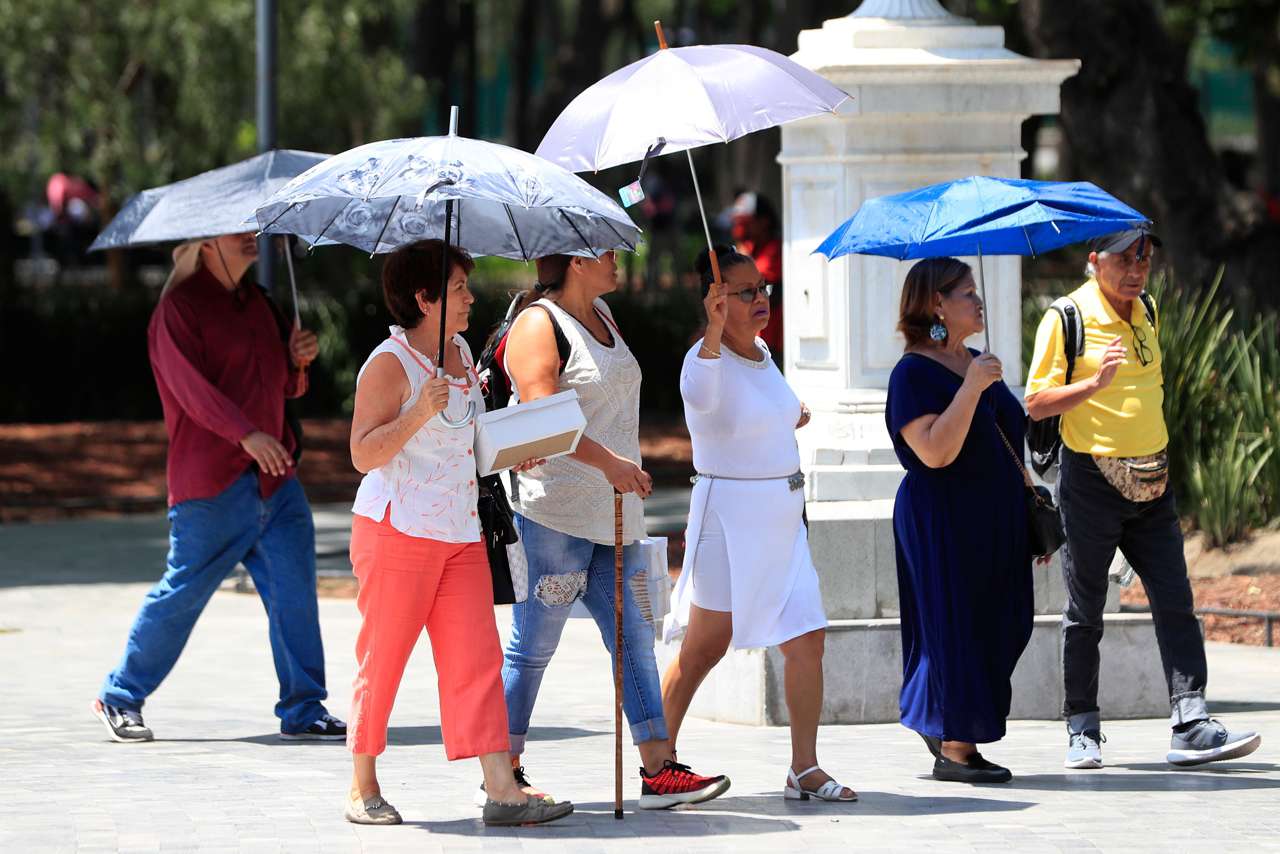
<point x="224" y="363"/>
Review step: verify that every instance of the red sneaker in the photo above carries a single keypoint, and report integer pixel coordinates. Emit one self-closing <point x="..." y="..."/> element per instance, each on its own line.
<point x="676" y="784"/>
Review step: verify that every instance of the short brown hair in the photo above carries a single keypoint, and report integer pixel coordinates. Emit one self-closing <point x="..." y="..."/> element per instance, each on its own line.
<point x="929" y="277"/>
<point x="415" y="269"/>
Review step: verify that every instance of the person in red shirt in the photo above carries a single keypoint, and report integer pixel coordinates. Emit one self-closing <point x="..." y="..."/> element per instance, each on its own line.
<point x="755" y="231"/>
<point x="225" y="360"/>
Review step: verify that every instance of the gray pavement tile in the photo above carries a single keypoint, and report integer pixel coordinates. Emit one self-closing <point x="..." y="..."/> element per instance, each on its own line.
<point x="219" y="779"/>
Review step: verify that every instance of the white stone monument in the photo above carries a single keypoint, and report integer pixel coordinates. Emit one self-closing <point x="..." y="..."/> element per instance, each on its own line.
<point x="935" y="97"/>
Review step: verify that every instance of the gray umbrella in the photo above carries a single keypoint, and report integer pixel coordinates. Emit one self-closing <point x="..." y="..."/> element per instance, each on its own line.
<point x="480" y="196"/>
<point x="210" y="204"/>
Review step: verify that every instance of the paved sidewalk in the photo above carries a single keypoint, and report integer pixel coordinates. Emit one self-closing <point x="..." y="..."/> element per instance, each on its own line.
<point x="218" y="779"/>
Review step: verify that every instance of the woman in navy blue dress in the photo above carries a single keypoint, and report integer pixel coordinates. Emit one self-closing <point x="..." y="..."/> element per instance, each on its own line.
<point x="959" y="523"/>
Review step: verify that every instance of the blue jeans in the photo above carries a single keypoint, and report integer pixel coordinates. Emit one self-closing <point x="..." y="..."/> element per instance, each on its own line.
<point x="275" y="539"/>
<point x="563" y="569"/>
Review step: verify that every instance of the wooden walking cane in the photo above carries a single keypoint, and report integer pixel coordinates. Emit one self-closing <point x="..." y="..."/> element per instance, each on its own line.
<point x="617" y="654"/>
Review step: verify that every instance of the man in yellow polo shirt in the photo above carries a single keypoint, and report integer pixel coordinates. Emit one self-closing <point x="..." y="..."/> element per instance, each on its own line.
<point x="1113" y="494"/>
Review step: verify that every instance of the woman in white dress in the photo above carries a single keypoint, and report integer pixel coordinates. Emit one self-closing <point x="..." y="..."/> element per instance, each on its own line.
<point x="748" y="578"/>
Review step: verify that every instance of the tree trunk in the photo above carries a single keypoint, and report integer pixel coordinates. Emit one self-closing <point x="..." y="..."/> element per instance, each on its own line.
<point x="523" y="65"/>
<point x="1132" y="124"/>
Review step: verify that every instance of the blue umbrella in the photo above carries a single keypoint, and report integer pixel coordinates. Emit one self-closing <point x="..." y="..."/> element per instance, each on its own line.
<point x="981" y="216"/>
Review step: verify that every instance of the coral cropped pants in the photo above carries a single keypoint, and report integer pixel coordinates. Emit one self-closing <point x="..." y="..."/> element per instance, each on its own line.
<point x="407" y="584"/>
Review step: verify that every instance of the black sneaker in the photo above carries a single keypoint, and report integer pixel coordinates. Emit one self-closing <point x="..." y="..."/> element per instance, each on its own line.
<point x="325" y="728"/>
<point x="1209" y="741"/>
<point x="123" y="725"/>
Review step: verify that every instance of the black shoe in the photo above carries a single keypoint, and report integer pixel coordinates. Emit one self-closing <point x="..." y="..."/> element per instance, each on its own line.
<point x="123" y="725"/>
<point x="325" y="728"/>
<point x="934" y="745"/>
<point x="975" y="770"/>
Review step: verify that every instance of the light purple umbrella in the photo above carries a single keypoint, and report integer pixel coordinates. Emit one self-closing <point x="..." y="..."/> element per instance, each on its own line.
<point x="684" y="97"/>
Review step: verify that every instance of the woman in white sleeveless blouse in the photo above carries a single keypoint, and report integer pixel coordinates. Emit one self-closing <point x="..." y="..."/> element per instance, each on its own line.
<point x="748" y="578"/>
<point x="565" y="514"/>
<point x="416" y="546"/>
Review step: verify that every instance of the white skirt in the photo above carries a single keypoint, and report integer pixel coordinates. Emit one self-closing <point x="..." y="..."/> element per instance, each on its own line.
<point x="747" y="552"/>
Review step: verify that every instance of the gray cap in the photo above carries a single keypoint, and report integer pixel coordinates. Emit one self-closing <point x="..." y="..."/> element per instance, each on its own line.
<point x="1119" y="241"/>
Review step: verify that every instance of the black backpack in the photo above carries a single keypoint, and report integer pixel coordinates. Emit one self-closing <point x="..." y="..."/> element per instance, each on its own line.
<point x="1044" y="438"/>
<point x="494" y="382"/>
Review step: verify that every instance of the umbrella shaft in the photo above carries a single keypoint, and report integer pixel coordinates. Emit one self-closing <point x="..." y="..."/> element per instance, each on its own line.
<point x="444" y="282"/>
<point x="293" y="284"/>
<point x="986" y="309"/>
<point x="706" y="229"/>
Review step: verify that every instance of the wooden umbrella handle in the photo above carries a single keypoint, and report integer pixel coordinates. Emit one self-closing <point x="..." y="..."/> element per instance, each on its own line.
<point x="617" y="654"/>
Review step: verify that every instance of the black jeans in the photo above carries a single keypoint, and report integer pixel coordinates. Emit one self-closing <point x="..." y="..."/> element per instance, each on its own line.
<point x="1098" y="520"/>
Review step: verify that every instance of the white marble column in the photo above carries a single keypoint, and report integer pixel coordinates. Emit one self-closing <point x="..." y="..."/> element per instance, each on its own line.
<point x="935" y="97"/>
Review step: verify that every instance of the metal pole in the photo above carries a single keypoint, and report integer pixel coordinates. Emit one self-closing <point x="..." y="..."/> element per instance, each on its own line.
<point x="266" y="116"/>
<point x="986" y="308"/>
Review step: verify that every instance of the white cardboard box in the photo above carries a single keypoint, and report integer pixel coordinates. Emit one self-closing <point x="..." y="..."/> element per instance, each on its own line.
<point x="540" y="429"/>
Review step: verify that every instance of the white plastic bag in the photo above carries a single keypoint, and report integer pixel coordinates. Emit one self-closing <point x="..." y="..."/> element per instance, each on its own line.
<point x="652" y="586"/>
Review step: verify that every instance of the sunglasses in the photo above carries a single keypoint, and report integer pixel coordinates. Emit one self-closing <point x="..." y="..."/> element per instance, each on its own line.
<point x="748" y="295"/>
<point x="1145" y="356"/>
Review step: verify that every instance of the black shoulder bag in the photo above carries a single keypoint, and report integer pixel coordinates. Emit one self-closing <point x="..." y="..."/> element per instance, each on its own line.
<point x="1044" y="524"/>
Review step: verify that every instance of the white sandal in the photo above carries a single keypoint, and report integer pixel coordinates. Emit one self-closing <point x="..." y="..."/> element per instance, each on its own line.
<point x="828" y="791"/>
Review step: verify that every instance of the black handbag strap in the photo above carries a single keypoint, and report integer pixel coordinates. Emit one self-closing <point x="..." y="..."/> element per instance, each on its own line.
<point x="1026" y="476"/>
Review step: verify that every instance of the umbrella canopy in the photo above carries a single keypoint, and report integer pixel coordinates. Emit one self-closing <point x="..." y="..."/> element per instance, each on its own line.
<point x="689" y="97"/>
<point x="981" y="216"/>
<point x="505" y="202"/>
<point x="210" y="204"/>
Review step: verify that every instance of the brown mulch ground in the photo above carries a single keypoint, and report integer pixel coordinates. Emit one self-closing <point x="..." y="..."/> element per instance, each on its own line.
<point x="59" y="471"/>
<point x="1259" y="592"/>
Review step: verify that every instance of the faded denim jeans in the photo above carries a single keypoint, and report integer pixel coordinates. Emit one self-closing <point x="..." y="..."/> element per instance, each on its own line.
<point x="562" y="570"/>
<point x="276" y="541"/>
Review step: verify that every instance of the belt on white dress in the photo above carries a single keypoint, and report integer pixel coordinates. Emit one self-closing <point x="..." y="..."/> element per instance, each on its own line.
<point x="794" y="481"/>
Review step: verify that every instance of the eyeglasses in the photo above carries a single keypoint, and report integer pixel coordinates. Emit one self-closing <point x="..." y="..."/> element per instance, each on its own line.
<point x="1145" y="356"/>
<point x="748" y="295"/>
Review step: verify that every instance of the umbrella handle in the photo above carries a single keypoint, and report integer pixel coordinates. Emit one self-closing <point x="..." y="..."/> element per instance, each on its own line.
<point x="468" y="416"/>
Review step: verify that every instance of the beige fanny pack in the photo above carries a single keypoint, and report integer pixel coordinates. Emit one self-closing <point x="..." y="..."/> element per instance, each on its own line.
<point x="1137" y="478"/>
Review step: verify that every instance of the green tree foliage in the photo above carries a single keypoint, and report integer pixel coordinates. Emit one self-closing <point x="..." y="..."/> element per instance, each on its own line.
<point x="135" y="93"/>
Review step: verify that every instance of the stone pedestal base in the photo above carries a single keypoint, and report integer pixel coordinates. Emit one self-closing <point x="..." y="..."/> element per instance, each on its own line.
<point x="863" y="673"/>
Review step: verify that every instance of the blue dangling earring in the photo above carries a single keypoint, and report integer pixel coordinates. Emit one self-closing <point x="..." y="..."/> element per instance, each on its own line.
<point x="938" y="332"/>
